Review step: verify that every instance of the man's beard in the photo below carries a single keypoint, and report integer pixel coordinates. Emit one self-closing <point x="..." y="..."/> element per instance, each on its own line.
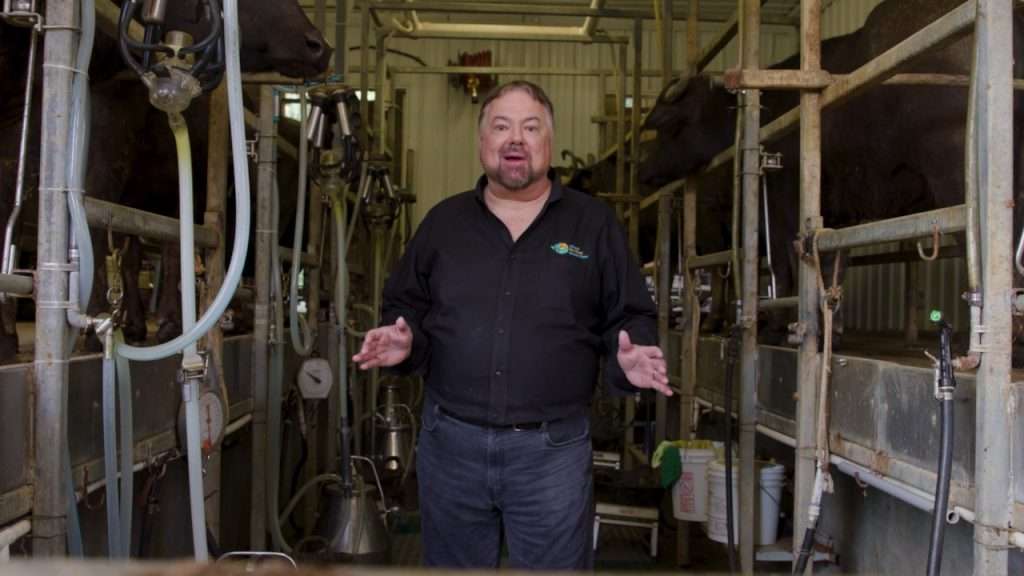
<point x="511" y="179"/>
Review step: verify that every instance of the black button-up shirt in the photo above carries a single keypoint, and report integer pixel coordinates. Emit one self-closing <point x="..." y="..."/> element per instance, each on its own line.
<point x="510" y="332"/>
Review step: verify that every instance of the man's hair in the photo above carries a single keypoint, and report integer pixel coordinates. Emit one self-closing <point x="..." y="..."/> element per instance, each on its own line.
<point x="534" y="91"/>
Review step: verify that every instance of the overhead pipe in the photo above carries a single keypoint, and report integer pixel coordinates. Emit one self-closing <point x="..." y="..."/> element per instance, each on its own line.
<point x="413" y="26"/>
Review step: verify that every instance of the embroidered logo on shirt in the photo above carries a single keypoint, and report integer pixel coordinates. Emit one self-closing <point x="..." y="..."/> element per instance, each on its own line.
<point x="566" y="249"/>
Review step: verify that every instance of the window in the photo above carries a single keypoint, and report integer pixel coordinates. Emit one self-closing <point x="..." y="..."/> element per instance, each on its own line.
<point x="290" y="103"/>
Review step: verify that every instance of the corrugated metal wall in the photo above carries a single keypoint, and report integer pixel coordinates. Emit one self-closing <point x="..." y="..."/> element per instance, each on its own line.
<point x="440" y="120"/>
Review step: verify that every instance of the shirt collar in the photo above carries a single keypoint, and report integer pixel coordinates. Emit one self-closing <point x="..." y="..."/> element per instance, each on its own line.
<point x="554" y="196"/>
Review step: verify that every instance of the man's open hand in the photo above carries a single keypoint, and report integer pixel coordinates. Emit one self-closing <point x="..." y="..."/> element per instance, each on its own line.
<point x="644" y="366"/>
<point x="386" y="346"/>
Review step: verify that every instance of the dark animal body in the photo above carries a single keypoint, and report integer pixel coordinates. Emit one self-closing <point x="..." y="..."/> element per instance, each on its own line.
<point x="891" y="151"/>
<point x="131" y="148"/>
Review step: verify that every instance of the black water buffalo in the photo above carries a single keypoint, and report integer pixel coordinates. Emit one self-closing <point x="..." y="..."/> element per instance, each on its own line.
<point x="131" y="148"/>
<point x="892" y="151"/>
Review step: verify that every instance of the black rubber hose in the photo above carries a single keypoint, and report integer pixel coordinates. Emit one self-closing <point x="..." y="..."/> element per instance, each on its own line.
<point x="947" y="384"/>
<point x="730" y="521"/>
<point x="216" y="30"/>
<point x="941" y="491"/>
<point x="127" y="13"/>
<point x="805" y="551"/>
<point x="152" y="36"/>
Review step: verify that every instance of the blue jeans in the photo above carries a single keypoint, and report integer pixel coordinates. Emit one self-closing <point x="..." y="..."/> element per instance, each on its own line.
<point x="533" y="486"/>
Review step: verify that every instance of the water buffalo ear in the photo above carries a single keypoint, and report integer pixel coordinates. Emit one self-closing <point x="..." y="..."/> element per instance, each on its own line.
<point x="672" y="111"/>
<point x="675" y="89"/>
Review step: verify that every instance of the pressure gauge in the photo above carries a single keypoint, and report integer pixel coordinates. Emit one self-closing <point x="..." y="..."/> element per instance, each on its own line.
<point x="211" y="422"/>
<point x="315" y="379"/>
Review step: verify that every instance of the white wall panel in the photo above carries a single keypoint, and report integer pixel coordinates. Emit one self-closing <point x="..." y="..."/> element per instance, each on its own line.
<point x="440" y="120"/>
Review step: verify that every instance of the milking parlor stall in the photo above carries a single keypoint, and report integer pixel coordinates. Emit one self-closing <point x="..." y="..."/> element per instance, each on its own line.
<point x="207" y="205"/>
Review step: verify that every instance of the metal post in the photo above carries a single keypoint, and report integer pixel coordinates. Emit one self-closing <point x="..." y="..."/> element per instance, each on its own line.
<point x="691" y="308"/>
<point x="995" y="414"/>
<point x="602" y="128"/>
<point x="620" y="111"/>
<point x="340" y="48"/>
<point x="49" y="527"/>
<point x="688" y="347"/>
<point x="313" y="273"/>
<point x="667" y="41"/>
<point x="751" y="179"/>
<point x="215" y="217"/>
<point x="321" y="15"/>
<point x="381" y="106"/>
<point x="911" y="300"/>
<point x="664" y="279"/>
<point x="634" y="159"/>
<point x="364" y="75"/>
<point x="377" y="239"/>
<point x="810" y="217"/>
<point x="620" y="188"/>
<point x="261" y="322"/>
<point x="693" y="38"/>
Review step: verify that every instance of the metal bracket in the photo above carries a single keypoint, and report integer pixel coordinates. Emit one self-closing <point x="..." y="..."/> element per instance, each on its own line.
<point x="21" y="13"/>
<point x="194" y="372"/>
<point x="973" y="298"/>
<point x="1018" y="302"/>
<point x="797" y="332"/>
<point x="251" y="149"/>
<point x="770" y="161"/>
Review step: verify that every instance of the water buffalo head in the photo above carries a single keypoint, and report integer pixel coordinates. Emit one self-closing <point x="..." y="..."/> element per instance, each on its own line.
<point x="694" y="121"/>
<point x="276" y="35"/>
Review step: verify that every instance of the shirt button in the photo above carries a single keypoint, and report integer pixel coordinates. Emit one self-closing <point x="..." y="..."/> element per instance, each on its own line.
<point x="497" y="372"/>
<point x="501" y="330"/>
<point x="508" y="292"/>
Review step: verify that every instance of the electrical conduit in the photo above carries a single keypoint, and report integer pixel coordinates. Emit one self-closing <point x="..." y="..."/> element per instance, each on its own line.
<point x="341" y="312"/>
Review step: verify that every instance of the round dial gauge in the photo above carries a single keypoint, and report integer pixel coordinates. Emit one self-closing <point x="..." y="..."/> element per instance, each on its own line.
<point x="315" y="379"/>
<point x="211" y="422"/>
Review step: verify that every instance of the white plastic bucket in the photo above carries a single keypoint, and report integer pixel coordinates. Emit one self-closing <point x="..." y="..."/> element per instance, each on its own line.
<point x="690" y="492"/>
<point x="766" y="502"/>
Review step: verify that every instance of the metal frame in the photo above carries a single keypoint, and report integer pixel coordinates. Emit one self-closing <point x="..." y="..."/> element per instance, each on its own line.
<point x="51" y="372"/>
<point x="995" y="164"/>
<point x="994" y="414"/>
<point x="50" y="415"/>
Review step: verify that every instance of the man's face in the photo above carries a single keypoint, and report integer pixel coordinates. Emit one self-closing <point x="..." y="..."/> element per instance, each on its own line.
<point x="515" y="141"/>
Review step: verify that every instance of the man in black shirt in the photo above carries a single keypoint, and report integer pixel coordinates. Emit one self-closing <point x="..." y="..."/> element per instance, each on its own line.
<point x="506" y="299"/>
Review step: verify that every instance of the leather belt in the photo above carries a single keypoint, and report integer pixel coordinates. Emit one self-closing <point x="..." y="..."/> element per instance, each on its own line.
<point x="519" y="427"/>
